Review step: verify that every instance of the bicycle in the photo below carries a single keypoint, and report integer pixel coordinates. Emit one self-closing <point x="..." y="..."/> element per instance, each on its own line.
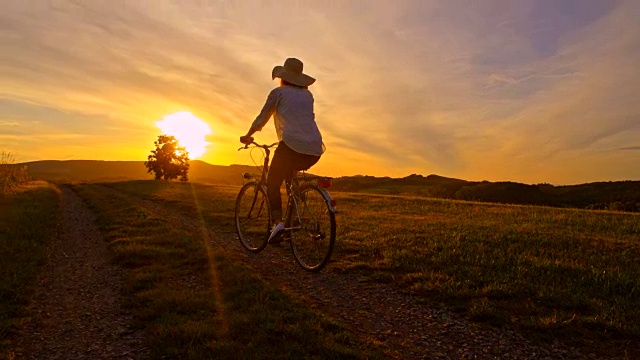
<point x="310" y="215"/>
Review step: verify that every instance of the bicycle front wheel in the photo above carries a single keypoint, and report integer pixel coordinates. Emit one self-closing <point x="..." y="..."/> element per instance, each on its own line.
<point x="312" y="240"/>
<point x="252" y="217"/>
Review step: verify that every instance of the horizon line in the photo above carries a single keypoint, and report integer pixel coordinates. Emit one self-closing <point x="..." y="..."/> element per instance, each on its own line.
<point x="342" y="176"/>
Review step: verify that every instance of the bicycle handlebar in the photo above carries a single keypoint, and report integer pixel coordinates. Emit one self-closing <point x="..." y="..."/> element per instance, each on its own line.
<point x="263" y="146"/>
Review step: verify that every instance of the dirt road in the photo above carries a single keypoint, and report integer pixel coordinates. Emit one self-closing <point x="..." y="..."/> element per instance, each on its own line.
<point x="76" y="312"/>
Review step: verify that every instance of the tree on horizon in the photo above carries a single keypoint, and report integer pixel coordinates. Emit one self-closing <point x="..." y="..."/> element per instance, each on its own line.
<point x="169" y="160"/>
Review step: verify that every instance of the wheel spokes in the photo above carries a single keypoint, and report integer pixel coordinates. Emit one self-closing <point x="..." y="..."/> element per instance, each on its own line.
<point x="312" y="245"/>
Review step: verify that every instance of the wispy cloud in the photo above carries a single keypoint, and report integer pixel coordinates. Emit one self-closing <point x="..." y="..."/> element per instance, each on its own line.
<point x="489" y="90"/>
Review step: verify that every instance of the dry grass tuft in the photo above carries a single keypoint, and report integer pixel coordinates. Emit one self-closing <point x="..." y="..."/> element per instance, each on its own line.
<point x="11" y="174"/>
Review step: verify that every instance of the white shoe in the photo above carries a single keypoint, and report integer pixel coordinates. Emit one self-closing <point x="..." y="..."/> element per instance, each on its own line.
<point x="273" y="237"/>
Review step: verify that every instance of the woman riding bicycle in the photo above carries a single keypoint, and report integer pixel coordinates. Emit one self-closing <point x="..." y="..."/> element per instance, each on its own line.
<point x="300" y="142"/>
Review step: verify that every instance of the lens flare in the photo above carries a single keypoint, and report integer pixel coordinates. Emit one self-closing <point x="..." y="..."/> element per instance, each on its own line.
<point x="188" y="130"/>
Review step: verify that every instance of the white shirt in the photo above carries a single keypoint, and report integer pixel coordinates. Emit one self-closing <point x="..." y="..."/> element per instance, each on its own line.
<point x="294" y="119"/>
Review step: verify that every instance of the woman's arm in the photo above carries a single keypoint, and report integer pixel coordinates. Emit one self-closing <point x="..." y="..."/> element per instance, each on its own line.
<point x="267" y="110"/>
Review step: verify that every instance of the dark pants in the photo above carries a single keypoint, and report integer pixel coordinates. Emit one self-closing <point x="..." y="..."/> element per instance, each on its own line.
<point x="284" y="165"/>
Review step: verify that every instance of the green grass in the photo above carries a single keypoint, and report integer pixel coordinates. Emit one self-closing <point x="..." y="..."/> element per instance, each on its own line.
<point x="554" y="273"/>
<point x="563" y="273"/>
<point x="29" y="215"/>
<point x="191" y="301"/>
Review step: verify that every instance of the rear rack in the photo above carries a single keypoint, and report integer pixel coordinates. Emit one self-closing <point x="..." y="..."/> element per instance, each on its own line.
<point x="322" y="181"/>
<point x="305" y="176"/>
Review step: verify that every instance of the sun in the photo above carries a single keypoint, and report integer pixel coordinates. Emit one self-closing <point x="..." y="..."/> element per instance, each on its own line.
<point x="188" y="130"/>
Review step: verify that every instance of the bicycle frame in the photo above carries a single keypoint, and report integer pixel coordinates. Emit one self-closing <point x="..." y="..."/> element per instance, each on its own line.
<point x="263" y="176"/>
<point x="265" y="166"/>
<point x="293" y="201"/>
<point x="309" y="217"/>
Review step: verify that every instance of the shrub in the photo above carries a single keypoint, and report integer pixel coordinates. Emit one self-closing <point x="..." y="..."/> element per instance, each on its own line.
<point x="11" y="174"/>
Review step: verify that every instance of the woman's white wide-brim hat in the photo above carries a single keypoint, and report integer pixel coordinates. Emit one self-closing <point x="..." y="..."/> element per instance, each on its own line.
<point x="292" y="72"/>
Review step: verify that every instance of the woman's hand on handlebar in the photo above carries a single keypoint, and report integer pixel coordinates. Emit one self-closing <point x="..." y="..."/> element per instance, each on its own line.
<point x="246" y="139"/>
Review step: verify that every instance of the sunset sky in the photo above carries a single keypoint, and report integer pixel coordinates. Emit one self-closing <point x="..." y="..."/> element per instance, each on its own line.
<point x="530" y="90"/>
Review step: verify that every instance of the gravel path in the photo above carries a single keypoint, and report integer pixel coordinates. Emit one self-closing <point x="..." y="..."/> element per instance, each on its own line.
<point x="404" y="327"/>
<point x="76" y="312"/>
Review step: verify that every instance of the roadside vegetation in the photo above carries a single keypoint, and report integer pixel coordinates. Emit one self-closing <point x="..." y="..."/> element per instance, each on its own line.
<point x="30" y="214"/>
<point x="11" y="174"/>
<point x="553" y="273"/>
<point x="195" y="303"/>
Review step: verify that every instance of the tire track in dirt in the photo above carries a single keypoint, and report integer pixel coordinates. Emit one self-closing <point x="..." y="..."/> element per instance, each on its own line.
<point x="76" y="311"/>
<point x="377" y="313"/>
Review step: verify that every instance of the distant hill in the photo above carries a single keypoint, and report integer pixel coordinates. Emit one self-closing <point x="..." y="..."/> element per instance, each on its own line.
<point x="96" y="170"/>
<point x="618" y="195"/>
<point x="430" y="186"/>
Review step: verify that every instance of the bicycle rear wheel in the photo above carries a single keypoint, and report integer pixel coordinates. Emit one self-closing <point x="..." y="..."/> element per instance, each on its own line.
<point x="252" y="217"/>
<point x="313" y="239"/>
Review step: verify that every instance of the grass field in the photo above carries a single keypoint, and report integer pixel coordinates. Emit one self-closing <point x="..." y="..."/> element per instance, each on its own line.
<point x="552" y="273"/>
<point x="563" y="272"/>
<point x="193" y="302"/>
<point x="27" y="226"/>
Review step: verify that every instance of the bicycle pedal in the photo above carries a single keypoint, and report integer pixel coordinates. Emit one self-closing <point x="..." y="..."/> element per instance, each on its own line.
<point x="276" y="239"/>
